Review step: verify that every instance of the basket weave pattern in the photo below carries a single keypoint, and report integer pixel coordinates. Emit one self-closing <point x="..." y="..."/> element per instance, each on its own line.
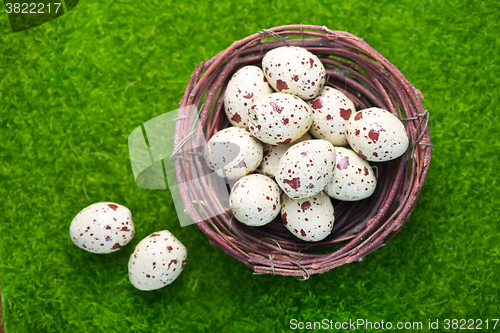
<point x="360" y="228"/>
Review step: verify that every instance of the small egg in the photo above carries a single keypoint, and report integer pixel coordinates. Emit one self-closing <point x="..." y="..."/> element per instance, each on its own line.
<point x="353" y="178"/>
<point x="103" y="227"/>
<point x="233" y="152"/>
<point x="255" y="200"/>
<point x="306" y="168"/>
<point x="377" y="135"/>
<point x="294" y="70"/>
<point x="331" y="111"/>
<point x="279" y="119"/>
<point x="272" y="155"/>
<point x="245" y="87"/>
<point x="156" y="261"/>
<point x="310" y="219"/>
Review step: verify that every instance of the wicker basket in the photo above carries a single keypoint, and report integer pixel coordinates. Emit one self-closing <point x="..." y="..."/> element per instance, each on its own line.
<point x="360" y="227"/>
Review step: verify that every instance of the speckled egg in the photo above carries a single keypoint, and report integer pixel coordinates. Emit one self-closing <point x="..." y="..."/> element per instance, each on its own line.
<point x="306" y="168"/>
<point x="331" y="111"/>
<point x="353" y="178"/>
<point x="310" y="219"/>
<point x="376" y="135"/>
<point x="245" y="87"/>
<point x="294" y="70"/>
<point x="233" y="152"/>
<point x="255" y="200"/>
<point x="103" y="227"/>
<point x="279" y="119"/>
<point x="272" y="155"/>
<point x="156" y="261"/>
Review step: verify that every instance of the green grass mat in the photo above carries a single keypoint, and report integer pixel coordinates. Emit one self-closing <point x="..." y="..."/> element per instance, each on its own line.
<point x="73" y="89"/>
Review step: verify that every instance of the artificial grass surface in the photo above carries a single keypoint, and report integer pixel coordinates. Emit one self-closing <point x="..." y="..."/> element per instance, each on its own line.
<point x="73" y="89"/>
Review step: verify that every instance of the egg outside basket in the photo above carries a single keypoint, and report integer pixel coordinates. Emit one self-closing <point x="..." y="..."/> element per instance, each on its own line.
<point x="360" y="228"/>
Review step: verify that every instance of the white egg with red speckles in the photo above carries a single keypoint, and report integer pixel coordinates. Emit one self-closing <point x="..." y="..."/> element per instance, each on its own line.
<point x="233" y="152"/>
<point x="279" y="119"/>
<point x="310" y="219"/>
<point x="103" y="227"/>
<point x="306" y="168"/>
<point x="294" y="70"/>
<point x="331" y="112"/>
<point x="245" y="87"/>
<point x="255" y="200"/>
<point x="353" y="178"/>
<point x="377" y="135"/>
<point x="273" y="153"/>
<point x="156" y="261"/>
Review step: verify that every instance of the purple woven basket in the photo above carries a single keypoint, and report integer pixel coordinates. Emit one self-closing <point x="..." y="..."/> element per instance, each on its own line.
<point x="365" y="76"/>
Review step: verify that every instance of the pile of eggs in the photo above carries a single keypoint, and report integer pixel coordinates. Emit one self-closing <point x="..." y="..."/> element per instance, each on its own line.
<point x="300" y="144"/>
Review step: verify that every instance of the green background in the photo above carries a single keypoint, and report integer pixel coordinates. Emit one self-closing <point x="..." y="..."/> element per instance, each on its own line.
<point x="72" y="90"/>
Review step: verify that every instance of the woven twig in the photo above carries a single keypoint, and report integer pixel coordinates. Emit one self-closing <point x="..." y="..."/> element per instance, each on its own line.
<point x="366" y="77"/>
